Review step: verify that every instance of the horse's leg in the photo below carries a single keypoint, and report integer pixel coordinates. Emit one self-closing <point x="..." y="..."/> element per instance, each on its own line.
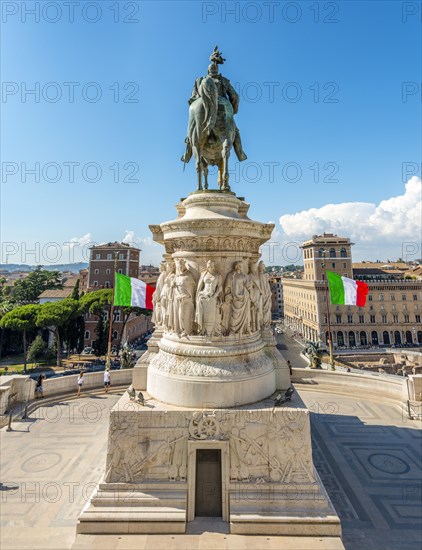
<point x="197" y="153"/>
<point x="220" y="174"/>
<point x="205" y="169"/>
<point x="227" y="145"/>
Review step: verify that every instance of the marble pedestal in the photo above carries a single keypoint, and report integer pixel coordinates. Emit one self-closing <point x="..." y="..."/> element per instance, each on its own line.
<point x="268" y="482"/>
<point x="228" y="348"/>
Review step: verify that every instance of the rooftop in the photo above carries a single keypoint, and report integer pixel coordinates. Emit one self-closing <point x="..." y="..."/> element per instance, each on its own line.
<point x="57" y="293"/>
<point x="114" y="246"/>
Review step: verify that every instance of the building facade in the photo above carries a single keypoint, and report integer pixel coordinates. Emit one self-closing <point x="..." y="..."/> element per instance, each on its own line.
<point x="391" y="316"/>
<point x="102" y="264"/>
<point x="276" y="285"/>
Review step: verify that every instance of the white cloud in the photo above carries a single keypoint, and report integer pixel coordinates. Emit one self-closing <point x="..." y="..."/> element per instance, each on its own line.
<point x="133" y="239"/>
<point x="390" y="223"/>
<point x="76" y="249"/>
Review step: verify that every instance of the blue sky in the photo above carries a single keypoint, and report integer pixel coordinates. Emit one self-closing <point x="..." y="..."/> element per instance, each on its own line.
<point x="330" y="98"/>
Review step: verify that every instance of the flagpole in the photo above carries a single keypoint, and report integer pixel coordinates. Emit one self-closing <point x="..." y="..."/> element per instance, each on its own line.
<point x="110" y="329"/>
<point x="330" y="342"/>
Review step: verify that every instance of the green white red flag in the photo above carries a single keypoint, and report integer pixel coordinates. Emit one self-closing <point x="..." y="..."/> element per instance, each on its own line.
<point x="346" y="291"/>
<point x="132" y="292"/>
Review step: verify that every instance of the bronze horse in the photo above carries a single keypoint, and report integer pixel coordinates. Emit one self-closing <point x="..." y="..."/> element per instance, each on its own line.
<point x="211" y="132"/>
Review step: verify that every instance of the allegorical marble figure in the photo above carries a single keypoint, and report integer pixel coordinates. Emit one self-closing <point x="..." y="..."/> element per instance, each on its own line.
<point x="208" y="298"/>
<point x="236" y="292"/>
<point x="157" y="314"/>
<point x="266" y="296"/>
<point x="185" y="286"/>
<point x="167" y="296"/>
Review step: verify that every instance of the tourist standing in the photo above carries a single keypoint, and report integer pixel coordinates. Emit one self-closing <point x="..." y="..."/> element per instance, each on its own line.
<point x="106" y="380"/>
<point x="80" y="382"/>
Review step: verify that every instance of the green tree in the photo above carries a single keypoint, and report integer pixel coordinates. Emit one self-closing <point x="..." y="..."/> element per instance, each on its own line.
<point x="101" y="343"/>
<point x="73" y="334"/>
<point x="53" y="315"/>
<point x="75" y="291"/>
<point x="98" y="303"/>
<point x="37" y="349"/>
<point x="21" y="319"/>
<point x="5" y="307"/>
<point x="27" y="290"/>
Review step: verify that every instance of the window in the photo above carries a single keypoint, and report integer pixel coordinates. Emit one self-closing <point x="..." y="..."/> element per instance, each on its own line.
<point x="96" y="271"/>
<point x="350" y="318"/>
<point x="415" y="297"/>
<point x="95" y="283"/>
<point x="121" y="256"/>
<point x="117" y="315"/>
<point x="107" y="272"/>
<point x="393" y="297"/>
<point x="371" y="308"/>
<point x="119" y="271"/>
<point x="406" y="319"/>
<point x="87" y="335"/>
<point x="418" y="318"/>
<point x="383" y="318"/>
<point x="325" y="319"/>
<point x="369" y="297"/>
<point x="343" y="253"/>
<point x="115" y="334"/>
<point x="344" y="265"/>
<point x="107" y="284"/>
<point x="381" y="298"/>
<point x="372" y="318"/>
<point x="109" y="256"/>
<point x="403" y="297"/>
<point x="395" y="318"/>
<point x="332" y="253"/>
<point x="394" y="307"/>
<point x="333" y="265"/>
<point x="97" y="256"/>
<point x="321" y="253"/>
<point x="338" y="319"/>
<point x="361" y="318"/>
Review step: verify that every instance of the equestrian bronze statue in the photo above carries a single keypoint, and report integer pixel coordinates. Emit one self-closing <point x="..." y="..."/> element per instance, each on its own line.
<point x="212" y="131"/>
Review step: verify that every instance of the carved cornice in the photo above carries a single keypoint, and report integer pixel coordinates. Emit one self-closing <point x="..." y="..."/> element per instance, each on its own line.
<point x="198" y="346"/>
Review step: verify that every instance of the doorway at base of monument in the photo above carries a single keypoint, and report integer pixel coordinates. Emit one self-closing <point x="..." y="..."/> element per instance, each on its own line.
<point x="262" y="479"/>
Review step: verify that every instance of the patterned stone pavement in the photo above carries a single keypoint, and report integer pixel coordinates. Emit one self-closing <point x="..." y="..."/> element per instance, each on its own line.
<point x="367" y="454"/>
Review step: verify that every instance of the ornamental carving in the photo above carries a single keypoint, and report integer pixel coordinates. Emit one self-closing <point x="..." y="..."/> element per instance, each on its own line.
<point x="204" y="426"/>
<point x="264" y="446"/>
<point x="225" y="368"/>
<point x="240" y="307"/>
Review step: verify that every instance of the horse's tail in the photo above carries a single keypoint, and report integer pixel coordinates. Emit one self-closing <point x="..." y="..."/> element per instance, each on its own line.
<point x="209" y="93"/>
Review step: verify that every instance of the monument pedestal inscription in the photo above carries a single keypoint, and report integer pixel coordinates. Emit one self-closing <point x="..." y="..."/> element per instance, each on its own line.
<point x="208" y="438"/>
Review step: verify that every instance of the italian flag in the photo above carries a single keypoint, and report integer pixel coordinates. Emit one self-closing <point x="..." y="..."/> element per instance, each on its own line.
<point x="346" y="291"/>
<point x="132" y="292"/>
